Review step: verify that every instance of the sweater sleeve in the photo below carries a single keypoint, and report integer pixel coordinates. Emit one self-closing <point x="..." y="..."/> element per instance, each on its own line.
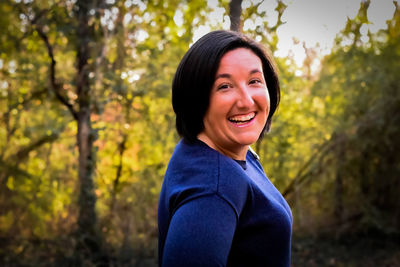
<point x="200" y="233"/>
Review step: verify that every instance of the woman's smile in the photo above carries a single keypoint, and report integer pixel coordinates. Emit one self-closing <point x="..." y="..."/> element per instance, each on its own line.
<point x="241" y="120"/>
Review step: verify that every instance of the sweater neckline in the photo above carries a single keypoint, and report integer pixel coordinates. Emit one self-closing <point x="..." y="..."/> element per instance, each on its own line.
<point x="242" y="163"/>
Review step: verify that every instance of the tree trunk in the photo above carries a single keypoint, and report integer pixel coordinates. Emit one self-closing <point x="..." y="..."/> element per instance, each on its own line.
<point x="338" y="211"/>
<point x="235" y="10"/>
<point x="88" y="245"/>
<point x="89" y="241"/>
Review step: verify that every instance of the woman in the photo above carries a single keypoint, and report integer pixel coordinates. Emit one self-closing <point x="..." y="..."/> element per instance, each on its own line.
<point x="217" y="207"/>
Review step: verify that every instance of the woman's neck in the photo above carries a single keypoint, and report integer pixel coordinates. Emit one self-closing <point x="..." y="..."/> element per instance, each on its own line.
<point x="237" y="154"/>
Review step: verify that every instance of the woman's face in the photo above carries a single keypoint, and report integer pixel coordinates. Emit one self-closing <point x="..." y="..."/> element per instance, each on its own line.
<point x="239" y="104"/>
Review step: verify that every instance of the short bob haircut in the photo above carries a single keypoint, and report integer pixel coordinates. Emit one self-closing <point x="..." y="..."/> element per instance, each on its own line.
<point x="196" y="73"/>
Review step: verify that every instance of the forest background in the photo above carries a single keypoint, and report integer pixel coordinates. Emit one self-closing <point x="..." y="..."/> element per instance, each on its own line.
<point x="87" y="129"/>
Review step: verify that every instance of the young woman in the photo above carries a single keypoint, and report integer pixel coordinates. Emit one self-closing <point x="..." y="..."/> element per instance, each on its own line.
<point x="217" y="207"/>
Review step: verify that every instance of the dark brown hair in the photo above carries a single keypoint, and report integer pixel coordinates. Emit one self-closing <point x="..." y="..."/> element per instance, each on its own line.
<point x="196" y="73"/>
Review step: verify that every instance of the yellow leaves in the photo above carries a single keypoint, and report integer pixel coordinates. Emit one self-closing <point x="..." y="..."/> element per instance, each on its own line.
<point x="318" y="104"/>
<point x="72" y="127"/>
<point x="10" y="183"/>
<point x="327" y="136"/>
<point x="129" y="96"/>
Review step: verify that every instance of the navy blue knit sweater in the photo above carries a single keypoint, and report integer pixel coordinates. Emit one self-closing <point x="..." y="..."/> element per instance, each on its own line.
<point x="215" y="212"/>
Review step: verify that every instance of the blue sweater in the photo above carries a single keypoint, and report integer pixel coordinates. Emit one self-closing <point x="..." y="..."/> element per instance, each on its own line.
<point x="214" y="212"/>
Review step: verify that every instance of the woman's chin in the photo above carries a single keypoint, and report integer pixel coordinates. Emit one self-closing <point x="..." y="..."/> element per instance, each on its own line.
<point x="247" y="140"/>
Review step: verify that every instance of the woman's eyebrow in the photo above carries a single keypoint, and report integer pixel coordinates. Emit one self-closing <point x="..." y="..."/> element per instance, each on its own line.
<point x="255" y="71"/>
<point x="223" y="75"/>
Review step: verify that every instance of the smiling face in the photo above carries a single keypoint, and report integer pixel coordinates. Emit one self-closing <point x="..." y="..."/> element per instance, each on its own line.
<point x="239" y="104"/>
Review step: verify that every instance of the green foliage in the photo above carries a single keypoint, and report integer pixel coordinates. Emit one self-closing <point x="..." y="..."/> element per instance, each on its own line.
<point x="332" y="149"/>
<point x="355" y="180"/>
<point x="135" y="48"/>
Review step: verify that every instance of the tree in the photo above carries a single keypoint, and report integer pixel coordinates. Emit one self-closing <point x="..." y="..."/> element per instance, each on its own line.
<point x="100" y="72"/>
<point x="235" y="11"/>
<point x="354" y="173"/>
<point x="89" y="239"/>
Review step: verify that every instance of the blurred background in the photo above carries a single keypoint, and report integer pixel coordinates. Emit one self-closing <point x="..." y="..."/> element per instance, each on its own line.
<point x="87" y="127"/>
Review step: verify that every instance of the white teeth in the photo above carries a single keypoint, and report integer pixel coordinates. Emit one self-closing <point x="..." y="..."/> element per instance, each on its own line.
<point x="242" y="118"/>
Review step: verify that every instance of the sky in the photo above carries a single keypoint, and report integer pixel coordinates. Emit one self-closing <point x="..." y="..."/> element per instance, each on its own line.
<point x="318" y="22"/>
<point x="310" y="21"/>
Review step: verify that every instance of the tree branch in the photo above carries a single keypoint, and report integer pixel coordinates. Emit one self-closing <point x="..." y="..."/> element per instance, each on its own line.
<point x="23" y="152"/>
<point x="121" y="150"/>
<point x="8" y="166"/>
<point x="304" y="171"/>
<point x="54" y="85"/>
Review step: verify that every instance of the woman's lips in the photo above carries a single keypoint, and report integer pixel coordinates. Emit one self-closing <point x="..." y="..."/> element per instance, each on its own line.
<point x="242" y="119"/>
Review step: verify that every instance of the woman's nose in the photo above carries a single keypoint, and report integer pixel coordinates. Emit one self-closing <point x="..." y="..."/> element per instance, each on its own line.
<point x="245" y="98"/>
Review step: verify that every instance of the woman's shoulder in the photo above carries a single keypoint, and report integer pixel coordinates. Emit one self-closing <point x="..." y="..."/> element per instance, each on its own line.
<point x="193" y="164"/>
<point x="192" y="155"/>
<point x="199" y="160"/>
<point x="196" y="170"/>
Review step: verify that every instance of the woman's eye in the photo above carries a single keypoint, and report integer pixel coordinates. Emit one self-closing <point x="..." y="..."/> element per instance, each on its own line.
<point x="223" y="86"/>
<point x="255" y="81"/>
